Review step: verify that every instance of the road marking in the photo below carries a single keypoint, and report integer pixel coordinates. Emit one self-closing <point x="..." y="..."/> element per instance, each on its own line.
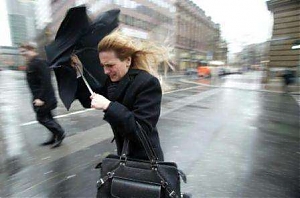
<point x="199" y="84"/>
<point x="297" y="99"/>
<point x="46" y="173"/>
<point x="70" y="176"/>
<point x="59" y="116"/>
<point x="86" y="110"/>
<point x="46" y="158"/>
<point x="28" y="123"/>
<point x="183" y="89"/>
<point x="180" y="103"/>
<point x="237" y="88"/>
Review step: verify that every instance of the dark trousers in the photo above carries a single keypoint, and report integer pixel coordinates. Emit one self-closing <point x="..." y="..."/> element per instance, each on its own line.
<point x="46" y="119"/>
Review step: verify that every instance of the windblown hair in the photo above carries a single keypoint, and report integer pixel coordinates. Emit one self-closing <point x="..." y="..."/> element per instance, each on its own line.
<point x="144" y="55"/>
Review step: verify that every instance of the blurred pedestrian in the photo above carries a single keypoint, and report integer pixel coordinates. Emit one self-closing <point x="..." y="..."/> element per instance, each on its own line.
<point x="43" y="97"/>
<point x="131" y="95"/>
<point x="287" y="80"/>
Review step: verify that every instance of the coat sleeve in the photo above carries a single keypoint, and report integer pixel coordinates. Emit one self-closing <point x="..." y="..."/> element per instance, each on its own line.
<point x="146" y="111"/>
<point x="45" y="79"/>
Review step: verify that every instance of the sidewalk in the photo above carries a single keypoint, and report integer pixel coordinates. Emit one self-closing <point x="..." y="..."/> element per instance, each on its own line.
<point x="277" y="85"/>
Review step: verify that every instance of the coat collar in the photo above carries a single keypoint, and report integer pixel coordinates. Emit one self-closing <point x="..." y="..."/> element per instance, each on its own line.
<point x="125" y="81"/>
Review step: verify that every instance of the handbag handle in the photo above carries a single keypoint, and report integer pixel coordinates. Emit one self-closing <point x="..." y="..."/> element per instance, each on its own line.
<point x="145" y="142"/>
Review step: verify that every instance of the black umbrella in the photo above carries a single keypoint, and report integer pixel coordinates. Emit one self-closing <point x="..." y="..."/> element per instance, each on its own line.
<point x="76" y="37"/>
<point x="75" y="23"/>
<point x="103" y="25"/>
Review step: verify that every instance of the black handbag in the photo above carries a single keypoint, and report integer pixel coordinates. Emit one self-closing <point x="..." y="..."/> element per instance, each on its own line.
<point x="124" y="177"/>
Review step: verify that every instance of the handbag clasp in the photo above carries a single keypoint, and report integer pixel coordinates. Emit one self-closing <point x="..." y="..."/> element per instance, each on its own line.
<point x="123" y="159"/>
<point x="154" y="164"/>
<point x="110" y="174"/>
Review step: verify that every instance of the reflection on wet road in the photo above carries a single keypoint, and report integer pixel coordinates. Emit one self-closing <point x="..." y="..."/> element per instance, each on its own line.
<point x="11" y="136"/>
<point x="229" y="142"/>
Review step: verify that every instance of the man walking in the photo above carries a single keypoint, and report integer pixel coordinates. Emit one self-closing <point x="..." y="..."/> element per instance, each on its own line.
<point x="43" y="97"/>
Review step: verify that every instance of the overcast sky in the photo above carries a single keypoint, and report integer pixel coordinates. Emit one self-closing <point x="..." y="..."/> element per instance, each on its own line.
<point x="4" y="30"/>
<point x="242" y="21"/>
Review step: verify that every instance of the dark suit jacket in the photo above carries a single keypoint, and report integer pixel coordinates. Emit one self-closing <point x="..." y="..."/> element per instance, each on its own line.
<point x="137" y="98"/>
<point x="39" y="81"/>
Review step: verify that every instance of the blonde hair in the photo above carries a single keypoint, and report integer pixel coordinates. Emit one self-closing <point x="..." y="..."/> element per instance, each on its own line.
<point x="144" y="55"/>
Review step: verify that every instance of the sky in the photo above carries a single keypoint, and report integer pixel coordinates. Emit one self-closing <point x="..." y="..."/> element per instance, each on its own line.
<point x="242" y="22"/>
<point x="4" y="30"/>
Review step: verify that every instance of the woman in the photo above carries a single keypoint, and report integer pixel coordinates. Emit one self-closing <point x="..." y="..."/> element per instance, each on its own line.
<point x="131" y="94"/>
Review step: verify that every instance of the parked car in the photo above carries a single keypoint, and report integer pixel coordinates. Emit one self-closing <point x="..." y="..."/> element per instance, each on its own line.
<point x="190" y="71"/>
<point x="227" y="71"/>
<point x="235" y="71"/>
<point x="222" y="72"/>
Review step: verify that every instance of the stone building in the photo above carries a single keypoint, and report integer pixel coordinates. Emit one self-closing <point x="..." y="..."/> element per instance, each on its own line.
<point x="197" y="37"/>
<point x="178" y="24"/>
<point x="286" y="32"/>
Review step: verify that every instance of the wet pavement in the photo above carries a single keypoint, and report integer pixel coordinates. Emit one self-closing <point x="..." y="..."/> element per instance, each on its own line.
<point x="230" y="141"/>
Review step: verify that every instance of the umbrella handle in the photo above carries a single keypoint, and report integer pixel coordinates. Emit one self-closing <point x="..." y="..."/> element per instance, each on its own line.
<point x="84" y="80"/>
<point x="77" y="62"/>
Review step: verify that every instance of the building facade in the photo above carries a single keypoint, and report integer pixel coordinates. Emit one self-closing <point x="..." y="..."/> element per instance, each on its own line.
<point x="10" y="57"/>
<point x="221" y="52"/>
<point x="286" y="32"/>
<point x="143" y="19"/>
<point x="21" y="19"/>
<point x="42" y="13"/>
<point x="178" y="24"/>
<point x="253" y="56"/>
<point x="197" y="37"/>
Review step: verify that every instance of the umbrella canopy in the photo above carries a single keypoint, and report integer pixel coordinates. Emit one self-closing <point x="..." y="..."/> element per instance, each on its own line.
<point x="75" y="23"/>
<point x="102" y="26"/>
<point x="78" y="34"/>
<point x="67" y="78"/>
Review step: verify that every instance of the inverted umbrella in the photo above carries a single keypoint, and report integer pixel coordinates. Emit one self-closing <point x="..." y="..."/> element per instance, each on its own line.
<point x="75" y="23"/>
<point x="105" y="23"/>
<point x="82" y="42"/>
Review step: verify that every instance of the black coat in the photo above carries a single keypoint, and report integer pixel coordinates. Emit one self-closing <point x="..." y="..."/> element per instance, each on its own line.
<point x="39" y="81"/>
<point x="137" y="98"/>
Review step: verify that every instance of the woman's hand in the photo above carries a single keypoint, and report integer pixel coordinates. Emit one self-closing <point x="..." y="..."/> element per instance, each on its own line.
<point x="99" y="102"/>
<point x="76" y="64"/>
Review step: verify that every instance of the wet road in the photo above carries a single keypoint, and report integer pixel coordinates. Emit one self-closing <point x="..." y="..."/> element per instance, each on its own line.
<point x="229" y="142"/>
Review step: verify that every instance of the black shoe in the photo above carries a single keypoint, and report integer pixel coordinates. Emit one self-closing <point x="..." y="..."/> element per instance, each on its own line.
<point x="48" y="142"/>
<point x="58" y="140"/>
